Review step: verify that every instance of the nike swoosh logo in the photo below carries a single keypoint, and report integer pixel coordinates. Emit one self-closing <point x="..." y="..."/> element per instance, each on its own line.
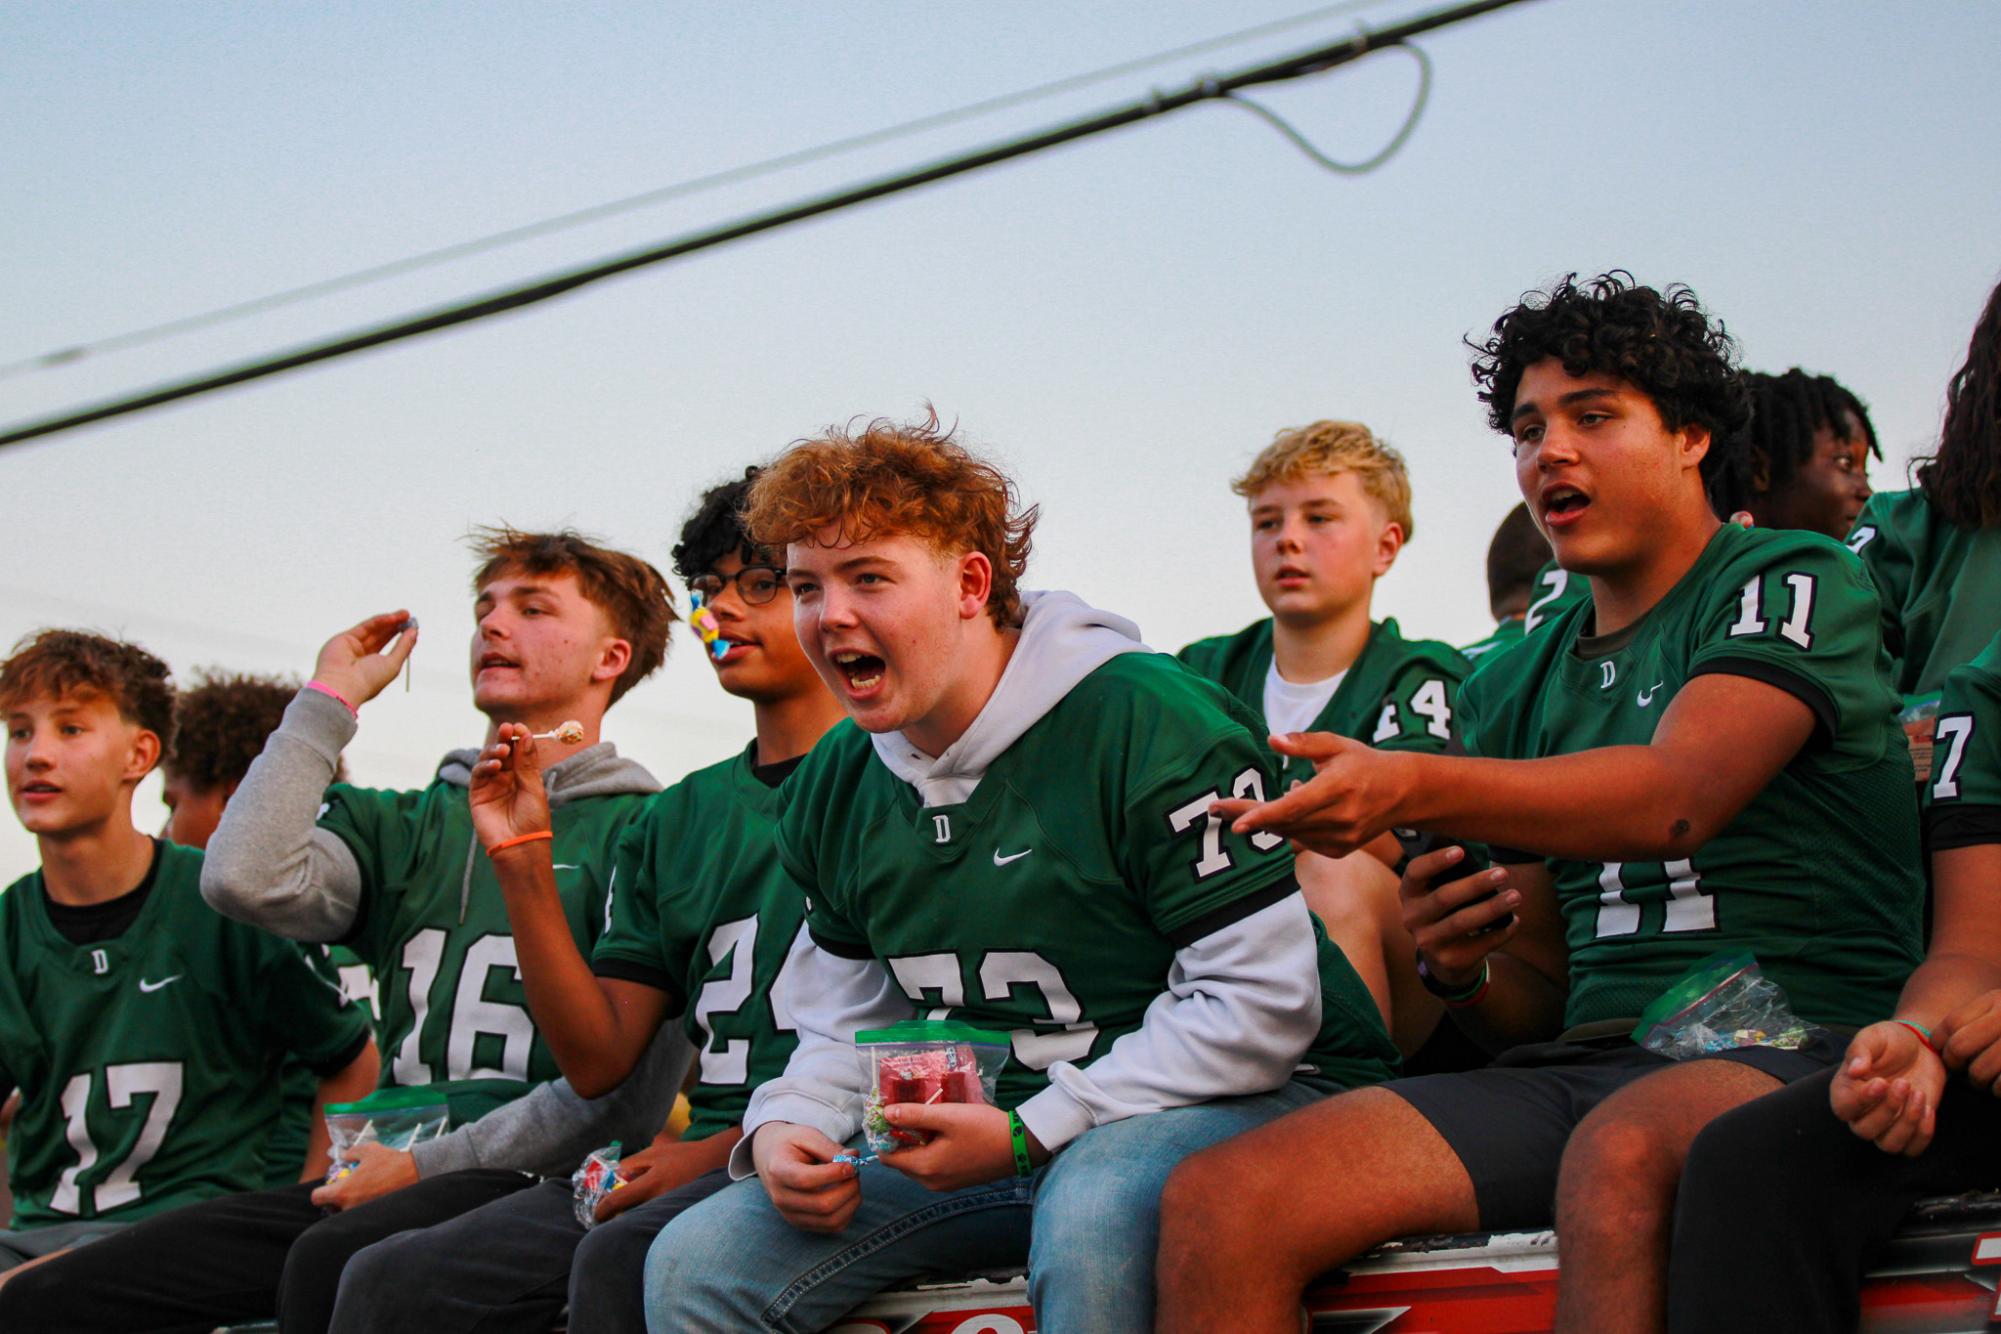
<point x="564" y="866"/>
<point x="146" y="986"/>
<point x="1646" y="697"/>
<point x="1013" y="857"/>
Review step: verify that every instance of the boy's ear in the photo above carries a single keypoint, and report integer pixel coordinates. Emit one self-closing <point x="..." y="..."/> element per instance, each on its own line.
<point x="613" y="659"/>
<point x="1388" y="543"/>
<point x="144" y="754"/>
<point x="976" y="584"/>
<point x="1692" y="442"/>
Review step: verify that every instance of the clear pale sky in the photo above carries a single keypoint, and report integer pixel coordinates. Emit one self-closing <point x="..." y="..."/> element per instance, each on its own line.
<point x="1122" y="322"/>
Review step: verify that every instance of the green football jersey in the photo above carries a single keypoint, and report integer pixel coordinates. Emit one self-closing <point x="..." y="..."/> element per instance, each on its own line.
<point x="148" y="1063"/>
<point x="1049" y="905"/>
<point x="702" y="910"/>
<point x="1397" y="696"/>
<point x="1506" y="633"/>
<point x="1819" y="876"/>
<point x="1941" y="586"/>
<point x="433" y="930"/>
<point x="1965" y="791"/>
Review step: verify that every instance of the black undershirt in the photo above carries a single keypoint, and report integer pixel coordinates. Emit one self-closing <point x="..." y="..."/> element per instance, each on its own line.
<point x="92" y="923"/>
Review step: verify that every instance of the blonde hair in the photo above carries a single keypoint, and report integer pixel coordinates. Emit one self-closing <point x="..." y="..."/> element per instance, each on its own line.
<point x="1332" y="448"/>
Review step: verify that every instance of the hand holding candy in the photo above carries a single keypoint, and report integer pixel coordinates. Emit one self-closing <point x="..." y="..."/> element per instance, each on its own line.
<point x="962" y="1145"/>
<point x="809" y="1188"/>
<point x="507" y="797"/>
<point x="704" y="622"/>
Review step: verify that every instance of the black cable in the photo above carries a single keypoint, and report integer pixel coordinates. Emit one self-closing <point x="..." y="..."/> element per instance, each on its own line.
<point x="1214" y="86"/>
<point x="75" y="352"/>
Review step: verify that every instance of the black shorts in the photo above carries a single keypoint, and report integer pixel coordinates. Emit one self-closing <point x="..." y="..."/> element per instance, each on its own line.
<point x="1509" y="1122"/>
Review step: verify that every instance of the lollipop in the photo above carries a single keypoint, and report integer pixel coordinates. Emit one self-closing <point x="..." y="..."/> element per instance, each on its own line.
<point x="569" y="733"/>
<point x="705" y="625"/>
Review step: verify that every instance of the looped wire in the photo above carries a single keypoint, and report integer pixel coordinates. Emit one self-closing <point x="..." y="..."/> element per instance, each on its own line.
<point x="1369" y="164"/>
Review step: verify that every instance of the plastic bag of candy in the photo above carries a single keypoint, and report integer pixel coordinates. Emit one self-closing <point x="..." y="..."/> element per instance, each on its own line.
<point x="924" y="1061"/>
<point x="595" y="1179"/>
<point x="394" y="1118"/>
<point x="1726" y="1003"/>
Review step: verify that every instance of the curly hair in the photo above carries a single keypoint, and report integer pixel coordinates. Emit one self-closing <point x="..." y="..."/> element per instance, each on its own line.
<point x="1787" y="411"/>
<point x="221" y="723"/>
<point x="890" y="479"/>
<point x="1963" y="479"/>
<point x="55" y="663"/>
<point x="632" y="594"/>
<point x="716" y="530"/>
<point x="1662" y="343"/>
<point x="1331" y="447"/>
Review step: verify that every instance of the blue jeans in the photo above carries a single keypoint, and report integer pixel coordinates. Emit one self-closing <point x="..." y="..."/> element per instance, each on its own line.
<point x="732" y="1263"/>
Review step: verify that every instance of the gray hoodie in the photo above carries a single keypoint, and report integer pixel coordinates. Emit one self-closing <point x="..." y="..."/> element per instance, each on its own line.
<point x="1236" y="1010"/>
<point x="272" y="866"/>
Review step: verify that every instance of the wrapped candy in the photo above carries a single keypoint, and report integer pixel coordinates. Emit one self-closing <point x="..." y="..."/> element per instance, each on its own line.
<point x="395" y="1118"/>
<point x="569" y="732"/>
<point x="924" y="1061"/>
<point x="594" y="1179"/>
<point x="1724" y="1004"/>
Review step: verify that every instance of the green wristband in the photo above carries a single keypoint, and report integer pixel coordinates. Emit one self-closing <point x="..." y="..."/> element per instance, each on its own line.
<point x="1022" y="1166"/>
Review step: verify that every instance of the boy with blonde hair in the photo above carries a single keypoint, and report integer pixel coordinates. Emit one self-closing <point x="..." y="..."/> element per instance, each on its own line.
<point x="1330" y="509"/>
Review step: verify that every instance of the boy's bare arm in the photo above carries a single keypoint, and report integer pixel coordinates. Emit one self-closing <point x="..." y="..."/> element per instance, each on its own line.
<point x="1722" y="739"/>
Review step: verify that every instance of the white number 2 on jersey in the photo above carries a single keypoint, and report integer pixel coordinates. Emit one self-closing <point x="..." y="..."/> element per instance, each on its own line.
<point x="730" y="1063"/>
<point x="123" y="1084"/>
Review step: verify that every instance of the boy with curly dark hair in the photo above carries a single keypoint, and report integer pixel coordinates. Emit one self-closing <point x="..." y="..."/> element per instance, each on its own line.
<point x="144" y="1031"/>
<point x="1701" y="758"/>
<point x="220" y="725"/>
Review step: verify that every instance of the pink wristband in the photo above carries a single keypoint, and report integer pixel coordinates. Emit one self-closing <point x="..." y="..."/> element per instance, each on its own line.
<point x="331" y="693"/>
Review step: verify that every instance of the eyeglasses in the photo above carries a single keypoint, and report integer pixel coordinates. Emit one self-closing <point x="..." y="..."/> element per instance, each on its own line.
<point x="755" y="584"/>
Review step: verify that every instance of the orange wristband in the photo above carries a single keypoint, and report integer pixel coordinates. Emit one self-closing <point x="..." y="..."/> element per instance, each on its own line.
<point x="519" y="839"/>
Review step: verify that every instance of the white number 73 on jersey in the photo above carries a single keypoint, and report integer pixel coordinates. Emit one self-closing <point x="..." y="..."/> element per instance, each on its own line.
<point x="1214" y="857"/>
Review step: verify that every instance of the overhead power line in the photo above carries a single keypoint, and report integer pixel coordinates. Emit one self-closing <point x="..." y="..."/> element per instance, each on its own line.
<point x="1159" y="103"/>
<point x="72" y="353"/>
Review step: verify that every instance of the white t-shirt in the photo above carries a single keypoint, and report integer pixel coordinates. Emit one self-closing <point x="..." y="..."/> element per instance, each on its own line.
<point x="1291" y="706"/>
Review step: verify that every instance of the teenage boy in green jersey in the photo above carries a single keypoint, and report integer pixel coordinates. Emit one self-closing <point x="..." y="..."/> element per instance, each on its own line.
<point x="220" y="725"/>
<point x="1935" y="550"/>
<point x="1013" y="830"/>
<point x="1703" y="758"/>
<point x="144" y="1032"/>
<point x="1330" y="509"/>
<point x="1811" y="1182"/>
<point x="702" y="919"/>
<point x="564" y="627"/>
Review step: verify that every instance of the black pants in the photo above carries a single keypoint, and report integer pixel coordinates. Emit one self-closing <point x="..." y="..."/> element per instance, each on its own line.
<point x="509" y="1267"/>
<point x="230" y="1259"/>
<point x="1782" y="1208"/>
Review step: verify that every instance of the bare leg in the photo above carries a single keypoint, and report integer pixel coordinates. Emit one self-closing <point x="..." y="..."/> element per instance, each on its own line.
<point x="1246" y="1225"/>
<point x="1615" y="1194"/>
<point x="1355" y="898"/>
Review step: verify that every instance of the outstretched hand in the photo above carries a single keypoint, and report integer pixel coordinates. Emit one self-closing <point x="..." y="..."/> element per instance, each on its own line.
<point x="1888" y="1088"/>
<point x="507" y="796"/>
<point x="353" y="663"/>
<point x="1349" y="801"/>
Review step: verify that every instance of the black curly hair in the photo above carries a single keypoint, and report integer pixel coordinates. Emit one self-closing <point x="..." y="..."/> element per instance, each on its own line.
<point x="1786" y="412"/>
<point x="1662" y="343"/>
<point x="1963" y="479"/>
<point x="716" y="530"/>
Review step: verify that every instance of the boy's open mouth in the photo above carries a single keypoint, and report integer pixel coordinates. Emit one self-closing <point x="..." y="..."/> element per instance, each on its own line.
<point x="1562" y="503"/>
<point x="863" y="670"/>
